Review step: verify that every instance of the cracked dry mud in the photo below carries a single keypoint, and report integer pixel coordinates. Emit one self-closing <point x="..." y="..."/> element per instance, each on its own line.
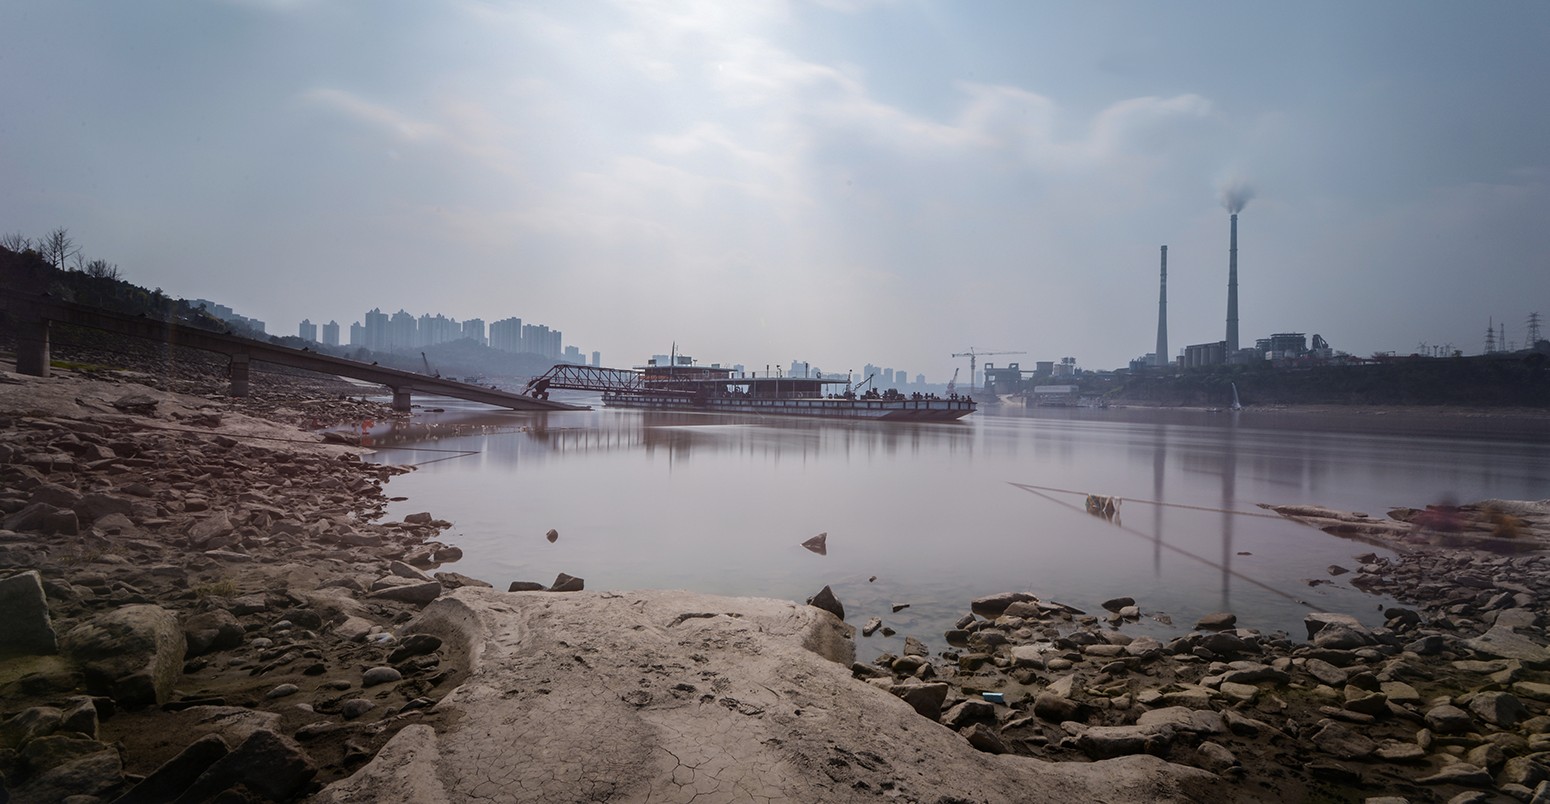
<point x="606" y="696"/>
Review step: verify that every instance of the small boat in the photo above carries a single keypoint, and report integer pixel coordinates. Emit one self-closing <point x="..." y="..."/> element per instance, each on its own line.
<point x="722" y="390"/>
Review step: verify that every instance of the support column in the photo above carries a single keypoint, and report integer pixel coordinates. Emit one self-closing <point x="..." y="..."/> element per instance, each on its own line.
<point x="32" y="356"/>
<point x="401" y="400"/>
<point x="239" y="374"/>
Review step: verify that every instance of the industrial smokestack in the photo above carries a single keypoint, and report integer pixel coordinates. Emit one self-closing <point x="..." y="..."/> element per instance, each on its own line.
<point x="1232" y="289"/>
<point x="1162" y="313"/>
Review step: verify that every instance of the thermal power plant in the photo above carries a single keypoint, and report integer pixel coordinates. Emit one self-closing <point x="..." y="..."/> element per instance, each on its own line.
<point x="1162" y="313"/>
<point x="1232" y="289"/>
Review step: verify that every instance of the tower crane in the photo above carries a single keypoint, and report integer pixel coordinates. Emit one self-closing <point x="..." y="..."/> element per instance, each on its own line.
<point x="974" y="361"/>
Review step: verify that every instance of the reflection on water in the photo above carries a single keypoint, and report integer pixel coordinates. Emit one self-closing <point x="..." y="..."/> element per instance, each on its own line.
<point x="938" y="513"/>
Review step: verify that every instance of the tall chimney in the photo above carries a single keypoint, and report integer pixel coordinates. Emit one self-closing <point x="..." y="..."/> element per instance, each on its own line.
<point x="1232" y="290"/>
<point x="1162" y="313"/>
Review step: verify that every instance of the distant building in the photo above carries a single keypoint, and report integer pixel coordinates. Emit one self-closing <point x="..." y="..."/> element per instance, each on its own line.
<point x="1066" y="368"/>
<point x="308" y="331"/>
<point x="538" y="339"/>
<point x="1205" y="354"/>
<point x="377" y="330"/>
<point x="597" y="359"/>
<point x="403" y="331"/>
<point x="920" y="379"/>
<point x="473" y="329"/>
<point x="331" y="333"/>
<point x="229" y="315"/>
<point x="1043" y="368"/>
<point x="506" y="335"/>
<point x="1055" y="395"/>
<point x="358" y="335"/>
<point x="572" y="355"/>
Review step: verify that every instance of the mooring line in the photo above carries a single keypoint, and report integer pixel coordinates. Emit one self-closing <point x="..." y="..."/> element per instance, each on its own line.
<point x="1206" y="508"/>
<point x="1038" y="491"/>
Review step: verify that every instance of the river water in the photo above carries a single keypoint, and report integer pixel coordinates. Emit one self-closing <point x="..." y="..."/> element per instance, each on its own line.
<point x="934" y="515"/>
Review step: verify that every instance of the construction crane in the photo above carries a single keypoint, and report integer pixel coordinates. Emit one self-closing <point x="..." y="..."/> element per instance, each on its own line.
<point x="428" y="369"/>
<point x="974" y="361"/>
<point x="952" y="384"/>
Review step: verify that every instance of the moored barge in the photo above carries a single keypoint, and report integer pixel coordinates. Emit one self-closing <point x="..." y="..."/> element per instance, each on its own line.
<point x="721" y="390"/>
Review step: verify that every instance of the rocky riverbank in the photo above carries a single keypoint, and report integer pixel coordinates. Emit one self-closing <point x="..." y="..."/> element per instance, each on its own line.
<point x="198" y="595"/>
<point x="203" y="599"/>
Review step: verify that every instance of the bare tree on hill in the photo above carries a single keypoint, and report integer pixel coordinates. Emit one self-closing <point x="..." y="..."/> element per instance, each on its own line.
<point x="57" y="247"/>
<point x="102" y="269"/>
<point x="15" y="241"/>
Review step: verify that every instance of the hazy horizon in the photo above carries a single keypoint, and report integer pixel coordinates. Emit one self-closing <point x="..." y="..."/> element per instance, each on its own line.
<point x="835" y="181"/>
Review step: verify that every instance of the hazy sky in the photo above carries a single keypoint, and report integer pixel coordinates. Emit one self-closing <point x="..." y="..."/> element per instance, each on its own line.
<point x="837" y="181"/>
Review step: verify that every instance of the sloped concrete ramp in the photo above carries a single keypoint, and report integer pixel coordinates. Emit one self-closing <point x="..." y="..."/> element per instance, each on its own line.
<point x="675" y="697"/>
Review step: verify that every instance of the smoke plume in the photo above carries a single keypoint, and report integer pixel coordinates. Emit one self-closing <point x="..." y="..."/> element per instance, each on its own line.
<point x="1236" y="195"/>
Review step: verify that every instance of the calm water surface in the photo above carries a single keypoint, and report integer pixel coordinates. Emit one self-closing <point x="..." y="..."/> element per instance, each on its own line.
<point x="940" y="513"/>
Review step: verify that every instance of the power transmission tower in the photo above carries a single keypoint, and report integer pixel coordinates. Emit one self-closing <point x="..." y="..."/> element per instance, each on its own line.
<point x="1490" y="337"/>
<point x="1533" y="330"/>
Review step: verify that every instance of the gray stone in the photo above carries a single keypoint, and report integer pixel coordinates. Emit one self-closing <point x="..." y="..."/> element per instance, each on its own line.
<point x="1460" y="773"/>
<point x="216" y="629"/>
<point x="1105" y="742"/>
<point x="80" y="717"/>
<point x="927" y="699"/>
<point x="1027" y="656"/>
<point x="1056" y="708"/>
<point x="1448" y="719"/>
<point x="818" y="544"/>
<point x="403" y="570"/>
<point x="25" y="627"/>
<point x="212" y="527"/>
<point x="133" y="654"/>
<point x="28" y="724"/>
<point x="1218" y="621"/>
<point x="380" y="675"/>
<point x="266" y="763"/>
<point x="414" y="645"/>
<point x="1319" y="620"/>
<point x="872" y="624"/>
<point x="93" y="507"/>
<point x="1341" y="741"/>
<point x="1215" y="757"/>
<point x="43" y="518"/>
<point x="355" y="707"/>
<point x="176" y="774"/>
<point x="969" y="712"/>
<point x="90" y="775"/>
<point x="1326" y="673"/>
<point x="826" y="600"/>
<point x="282" y="691"/>
<point x="1498" y="708"/>
<point x="552" y="535"/>
<point x="416" y="592"/>
<point x="914" y="647"/>
<point x="525" y="586"/>
<point x="570" y="583"/>
<point x="993" y="606"/>
<point x="45" y="753"/>
<point x="1118" y="603"/>
<point x="1184" y="719"/>
<point x="986" y="739"/>
<point x="421" y="518"/>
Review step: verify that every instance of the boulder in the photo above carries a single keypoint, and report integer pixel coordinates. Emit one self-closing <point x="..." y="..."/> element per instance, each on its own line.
<point x="1118" y="603"/>
<point x="132" y="654"/>
<point x="1498" y="708"/>
<point x="1319" y="620"/>
<point x="414" y="645"/>
<point x="826" y="600"/>
<point x="567" y="583"/>
<point x="380" y="675"/>
<point x="43" y="518"/>
<point x="410" y="591"/>
<point x="212" y="527"/>
<point x="914" y="647"/>
<point x="1056" y="708"/>
<point x="818" y="544"/>
<point x="1448" y="719"/>
<point x="1218" y="621"/>
<point x="969" y="712"/>
<point x="927" y="699"/>
<point x="91" y="775"/>
<point x="1343" y="742"/>
<point x="1104" y="742"/>
<point x="266" y="763"/>
<point x="25" y="628"/>
<point x="993" y="606"/>
<point x="872" y="624"/>
<point x="1186" y="720"/>
<point x="986" y="739"/>
<point x="525" y="586"/>
<point x="93" y="507"/>
<point x="457" y="580"/>
<point x="216" y="629"/>
<point x="30" y="723"/>
<point x="176" y="774"/>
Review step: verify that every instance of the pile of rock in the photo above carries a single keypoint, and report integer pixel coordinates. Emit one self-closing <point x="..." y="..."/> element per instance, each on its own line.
<point x="196" y="600"/>
<point x="1451" y="699"/>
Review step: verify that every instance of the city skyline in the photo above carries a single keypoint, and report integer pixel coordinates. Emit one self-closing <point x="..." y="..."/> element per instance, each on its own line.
<point x="826" y="178"/>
